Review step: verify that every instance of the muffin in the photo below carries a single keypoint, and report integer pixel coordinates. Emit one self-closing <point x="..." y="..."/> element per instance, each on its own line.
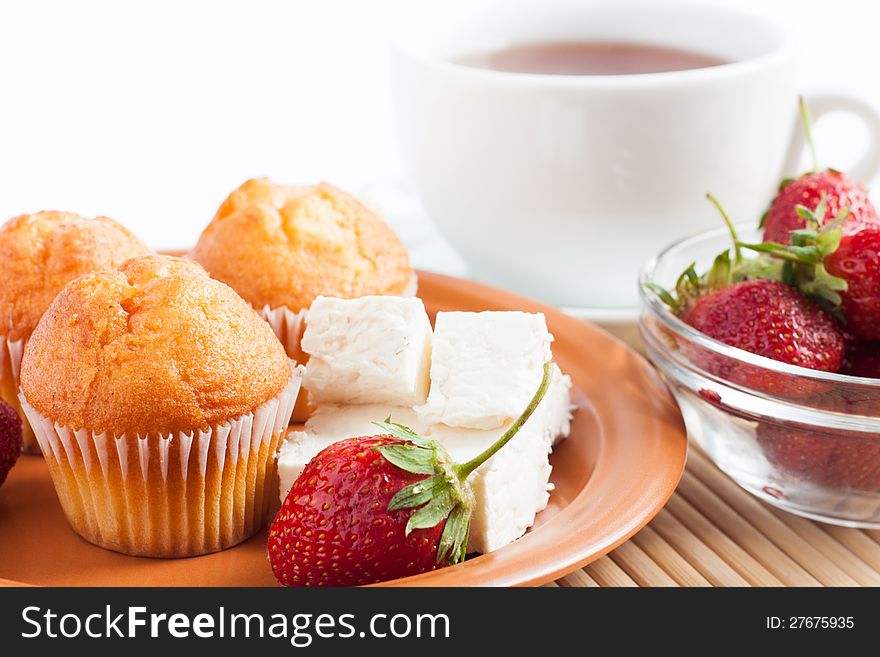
<point x="159" y="399"/>
<point x="282" y="246"/>
<point x="39" y="254"/>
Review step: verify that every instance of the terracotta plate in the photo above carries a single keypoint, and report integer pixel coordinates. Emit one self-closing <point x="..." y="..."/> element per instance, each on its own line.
<point x="621" y="463"/>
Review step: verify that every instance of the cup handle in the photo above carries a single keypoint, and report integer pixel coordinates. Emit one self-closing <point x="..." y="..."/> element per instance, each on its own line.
<point x="820" y="105"/>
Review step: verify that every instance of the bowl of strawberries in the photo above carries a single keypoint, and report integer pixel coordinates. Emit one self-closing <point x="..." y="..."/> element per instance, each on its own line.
<point x="769" y="337"/>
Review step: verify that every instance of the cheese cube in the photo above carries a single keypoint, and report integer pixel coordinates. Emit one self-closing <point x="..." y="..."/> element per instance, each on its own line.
<point x="514" y="485"/>
<point x="485" y="367"/>
<point x="370" y="350"/>
<point x="329" y="424"/>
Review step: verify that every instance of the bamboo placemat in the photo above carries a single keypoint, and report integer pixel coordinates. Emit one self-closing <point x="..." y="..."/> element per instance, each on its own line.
<point x="713" y="533"/>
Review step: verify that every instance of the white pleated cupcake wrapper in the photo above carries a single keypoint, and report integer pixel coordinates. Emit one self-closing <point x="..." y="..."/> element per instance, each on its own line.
<point x="11" y="352"/>
<point x="180" y="494"/>
<point x="14" y="351"/>
<point x="288" y="326"/>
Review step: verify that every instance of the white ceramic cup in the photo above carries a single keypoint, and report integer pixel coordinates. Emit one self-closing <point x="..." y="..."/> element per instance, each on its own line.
<point x="561" y="187"/>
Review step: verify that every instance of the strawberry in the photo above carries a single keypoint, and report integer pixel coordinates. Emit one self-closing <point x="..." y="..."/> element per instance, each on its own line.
<point x="855" y="464"/>
<point x="862" y="359"/>
<point x="376" y="508"/>
<point x="838" y="460"/>
<point x="839" y="262"/>
<point x="335" y="527"/>
<point x="857" y="261"/>
<point x="796" y="452"/>
<point x="771" y="319"/>
<point x="10" y="439"/>
<point x="838" y="190"/>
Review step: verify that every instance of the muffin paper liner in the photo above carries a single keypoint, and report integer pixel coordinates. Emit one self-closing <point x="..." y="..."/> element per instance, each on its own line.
<point x="288" y="326"/>
<point x="10" y="369"/>
<point x="174" y="495"/>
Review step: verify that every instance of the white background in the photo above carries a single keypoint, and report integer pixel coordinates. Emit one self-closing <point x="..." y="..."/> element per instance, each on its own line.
<point x="152" y="112"/>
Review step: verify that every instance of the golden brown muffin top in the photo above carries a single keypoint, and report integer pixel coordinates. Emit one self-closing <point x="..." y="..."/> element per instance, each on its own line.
<point x="156" y="346"/>
<point x="40" y="253"/>
<point x="280" y="245"/>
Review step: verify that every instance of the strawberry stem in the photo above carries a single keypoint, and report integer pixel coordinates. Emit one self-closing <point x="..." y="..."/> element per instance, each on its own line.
<point x="463" y="470"/>
<point x="737" y="252"/>
<point x="807" y="122"/>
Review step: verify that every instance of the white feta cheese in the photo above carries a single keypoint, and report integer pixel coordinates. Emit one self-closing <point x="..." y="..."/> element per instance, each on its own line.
<point x="514" y="485"/>
<point x="485" y="367"/>
<point x="329" y="424"/>
<point x="369" y="350"/>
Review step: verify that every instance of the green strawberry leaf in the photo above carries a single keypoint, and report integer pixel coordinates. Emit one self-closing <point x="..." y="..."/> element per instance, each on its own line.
<point x="412" y="458"/>
<point x="764" y="266"/>
<point x="831" y="281"/>
<point x="825" y="286"/>
<point x="688" y="282"/>
<point x="807" y="254"/>
<point x="663" y="293"/>
<point x="826" y="297"/>
<point x="417" y="494"/>
<point x="688" y="287"/>
<point x="720" y="274"/>
<point x="802" y="235"/>
<point x="788" y="276"/>
<point x="402" y="432"/>
<point x="453" y="542"/>
<point x="433" y="512"/>
<point x="815" y="216"/>
<point x="805" y="213"/>
<point x="773" y="248"/>
<point x="803" y="254"/>
<point x="827" y="243"/>
<point x="761" y="247"/>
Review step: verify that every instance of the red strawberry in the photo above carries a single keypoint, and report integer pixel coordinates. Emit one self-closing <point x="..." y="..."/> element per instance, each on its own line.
<point x="795" y="452"/>
<point x="840" y="460"/>
<point x="839" y="191"/>
<point x="862" y="359"/>
<point x="375" y="508"/>
<point x="335" y="528"/>
<point x="771" y="319"/>
<point x="838" y="262"/>
<point x="10" y="439"/>
<point x="857" y="261"/>
<point x="855" y="464"/>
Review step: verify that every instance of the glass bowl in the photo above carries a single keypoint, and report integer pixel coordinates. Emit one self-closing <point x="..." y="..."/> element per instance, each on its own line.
<point x="805" y="441"/>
